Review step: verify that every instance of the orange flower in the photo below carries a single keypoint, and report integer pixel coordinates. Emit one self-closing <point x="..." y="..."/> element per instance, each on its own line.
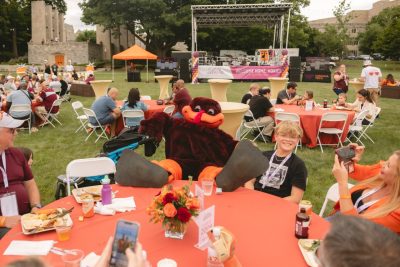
<point x="169" y="210"/>
<point x="192" y="203"/>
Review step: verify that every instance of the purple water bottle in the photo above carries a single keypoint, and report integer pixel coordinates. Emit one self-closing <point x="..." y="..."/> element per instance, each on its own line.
<point x="106" y="197"/>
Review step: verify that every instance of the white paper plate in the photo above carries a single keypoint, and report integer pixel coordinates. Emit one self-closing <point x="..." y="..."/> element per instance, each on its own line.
<point x="26" y="232"/>
<point x="309" y="256"/>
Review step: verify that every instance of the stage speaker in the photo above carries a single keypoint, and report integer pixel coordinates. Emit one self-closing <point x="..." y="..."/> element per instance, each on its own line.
<point x="184" y="71"/>
<point x="295" y="62"/>
<point x="253" y="63"/>
<point x="294" y="75"/>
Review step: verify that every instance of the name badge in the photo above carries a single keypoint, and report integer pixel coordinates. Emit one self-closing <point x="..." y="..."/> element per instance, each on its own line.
<point x="8" y="204"/>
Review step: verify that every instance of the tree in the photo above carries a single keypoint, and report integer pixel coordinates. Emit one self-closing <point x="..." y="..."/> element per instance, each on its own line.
<point x="86" y="36"/>
<point x="341" y="27"/>
<point x="327" y="42"/>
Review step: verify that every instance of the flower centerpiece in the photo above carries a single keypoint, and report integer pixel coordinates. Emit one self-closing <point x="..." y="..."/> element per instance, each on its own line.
<point x="173" y="208"/>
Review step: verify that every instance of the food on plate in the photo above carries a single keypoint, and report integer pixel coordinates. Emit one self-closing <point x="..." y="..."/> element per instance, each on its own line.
<point x="45" y="219"/>
<point x="310" y="244"/>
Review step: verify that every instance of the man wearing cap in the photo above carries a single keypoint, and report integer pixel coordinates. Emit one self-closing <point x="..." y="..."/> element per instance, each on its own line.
<point x="18" y="189"/>
<point x="371" y="76"/>
<point x="55" y="84"/>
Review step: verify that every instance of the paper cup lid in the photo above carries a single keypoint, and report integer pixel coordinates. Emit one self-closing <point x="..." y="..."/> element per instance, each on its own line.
<point x="167" y="263"/>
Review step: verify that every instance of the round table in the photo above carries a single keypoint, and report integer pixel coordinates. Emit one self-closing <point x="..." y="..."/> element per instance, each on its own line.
<point x="163" y="81"/>
<point x="218" y="89"/>
<point x="263" y="225"/>
<point x="356" y="85"/>
<point x="277" y="84"/>
<point x="233" y="116"/>
<point x="310" y="121"/>
<point x="100" y="87"/>
<point x="152" y="108"/>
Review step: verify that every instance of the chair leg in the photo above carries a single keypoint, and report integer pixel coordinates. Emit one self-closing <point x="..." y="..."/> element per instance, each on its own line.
<point x="90" y="134"/>
<point x="320" y="144"/>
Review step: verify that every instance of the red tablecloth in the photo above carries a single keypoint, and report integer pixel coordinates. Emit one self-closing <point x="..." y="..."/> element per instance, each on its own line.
<point x="310" y="121"/>
<point x="263" y="225"/>
<point x="152" y="108"/>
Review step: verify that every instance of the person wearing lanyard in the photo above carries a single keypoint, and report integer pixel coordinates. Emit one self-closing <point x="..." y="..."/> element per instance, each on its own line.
<point x="16" y="178"/>
<point x="286" y="175"/>
<point x="288" y="96"/>
<point x="377" y="196"/>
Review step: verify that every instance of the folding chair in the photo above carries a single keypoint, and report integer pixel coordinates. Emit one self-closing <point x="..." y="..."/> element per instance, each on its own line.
<point x="67" y="96"/>
<point x="86" y="168"/>
<point x="50" y="117"/>
<point x="83" y="119"/>
<point x="131" y="114"/>
<point x="332" y="117"/>
<point x="169" y="109"/>
<point x="23" y="108"/>
<point x="366" y="127"/>
<point x="357" y="127"/>
<point x="287" y="116"/>
<point x="247" y="127"/>
<point x="145" y="97"/>
<point x="90" y="113"/>
<point x="332" y="195"/>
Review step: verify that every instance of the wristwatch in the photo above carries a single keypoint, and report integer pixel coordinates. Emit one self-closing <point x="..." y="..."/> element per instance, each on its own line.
<point x="39" y="206"/>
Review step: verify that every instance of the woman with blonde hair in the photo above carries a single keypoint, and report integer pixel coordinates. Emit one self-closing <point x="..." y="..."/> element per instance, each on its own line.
<point x="377" y="195"/>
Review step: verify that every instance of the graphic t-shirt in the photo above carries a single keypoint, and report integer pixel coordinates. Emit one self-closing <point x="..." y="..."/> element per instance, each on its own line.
<point x="371" y="75"/>
<point x="292" y="173"/>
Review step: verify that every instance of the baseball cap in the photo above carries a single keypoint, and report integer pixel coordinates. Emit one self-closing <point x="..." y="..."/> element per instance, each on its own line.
<point x="367" y="62"/>
<point x="9" y="122"/>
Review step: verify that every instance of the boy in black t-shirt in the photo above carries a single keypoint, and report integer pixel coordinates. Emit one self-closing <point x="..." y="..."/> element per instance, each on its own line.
<point x="286" y="176"/>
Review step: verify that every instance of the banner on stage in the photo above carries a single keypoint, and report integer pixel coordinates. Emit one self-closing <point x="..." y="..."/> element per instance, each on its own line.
<point x="240" y="72"/>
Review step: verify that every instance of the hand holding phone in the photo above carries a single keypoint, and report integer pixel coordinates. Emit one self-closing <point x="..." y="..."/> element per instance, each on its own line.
<point x="126" y="234"/>
<point x="346" y="155"/>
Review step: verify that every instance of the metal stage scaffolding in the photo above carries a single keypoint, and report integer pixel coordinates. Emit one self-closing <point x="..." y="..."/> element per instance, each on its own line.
<point x="242" y="15"/>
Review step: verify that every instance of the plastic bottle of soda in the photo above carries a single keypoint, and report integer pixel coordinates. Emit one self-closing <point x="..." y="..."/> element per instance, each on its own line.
<point x="325" y="103"/>
<point x="302" y="223"/>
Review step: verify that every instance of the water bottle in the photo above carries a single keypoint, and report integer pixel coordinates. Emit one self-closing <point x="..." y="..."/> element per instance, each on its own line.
<point x="106" y="194"/>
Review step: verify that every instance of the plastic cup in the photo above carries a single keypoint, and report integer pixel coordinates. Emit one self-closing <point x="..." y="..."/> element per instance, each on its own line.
<point x="63" y="232"/>
<point x="207" y="187"/>
<point x="73" y="258"/>
<point x="167" y="263"/>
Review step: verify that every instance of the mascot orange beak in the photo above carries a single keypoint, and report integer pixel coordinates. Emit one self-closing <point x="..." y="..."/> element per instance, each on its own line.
<point x="202" y="118"/>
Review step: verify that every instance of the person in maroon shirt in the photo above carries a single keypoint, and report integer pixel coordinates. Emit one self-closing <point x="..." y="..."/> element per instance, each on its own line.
<point x="340" y="80"/>
<point x="47" y="96"/>
<point x="18" y="174"/>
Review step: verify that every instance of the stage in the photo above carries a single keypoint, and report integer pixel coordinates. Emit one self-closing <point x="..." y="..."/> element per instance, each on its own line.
<point x="240" y="72"/>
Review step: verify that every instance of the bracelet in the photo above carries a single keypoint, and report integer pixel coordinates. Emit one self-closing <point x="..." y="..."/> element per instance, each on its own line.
<point x="39" y="206"/>
<point x="345" y="196"/>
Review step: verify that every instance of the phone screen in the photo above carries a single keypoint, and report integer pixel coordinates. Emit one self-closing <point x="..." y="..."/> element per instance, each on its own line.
<point x="125" y="237"/>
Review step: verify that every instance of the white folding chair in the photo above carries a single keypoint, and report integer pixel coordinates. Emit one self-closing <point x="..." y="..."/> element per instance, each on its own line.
<point x="83" y="119"/>
<point x="126" y="114"/>
<point x="22" y="108"/>
<point x="332" y="117"/>
<point x="169" y="109"/>
<point x="145" y="97"/>
<point x="366" y="127"/>
<point x="90" y="113"/>
<point x="357" y="127"/>
<point x="248" y="126"/>
<point x="332" y="195"/>
<point x="287" y="116"/>
<point x="86" y="168"/>
<point x="50" y="117"/>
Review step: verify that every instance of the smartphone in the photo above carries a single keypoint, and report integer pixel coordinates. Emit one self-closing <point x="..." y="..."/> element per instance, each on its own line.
<point x="126" y="234"/>
<point x="346" y="154"/>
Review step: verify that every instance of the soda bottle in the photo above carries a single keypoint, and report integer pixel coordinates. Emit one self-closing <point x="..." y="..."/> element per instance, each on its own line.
<point x="302" y="223"/>
<point x="106" y="194"/>
<point x="325" y="103"/>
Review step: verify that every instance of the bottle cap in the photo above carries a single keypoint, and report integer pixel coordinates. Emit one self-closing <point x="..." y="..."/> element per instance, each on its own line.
<point x="105" y="180"/>
<point x="216" y="232"/>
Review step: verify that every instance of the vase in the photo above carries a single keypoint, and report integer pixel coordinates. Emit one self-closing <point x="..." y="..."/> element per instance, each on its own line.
<point x="175" y="230"/>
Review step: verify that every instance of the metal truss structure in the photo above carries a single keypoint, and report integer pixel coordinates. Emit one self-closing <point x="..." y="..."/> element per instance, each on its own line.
<point x="241" y="15"/>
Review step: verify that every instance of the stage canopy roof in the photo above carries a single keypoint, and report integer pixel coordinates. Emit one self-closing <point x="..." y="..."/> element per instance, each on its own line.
<point x="134" y="52"/>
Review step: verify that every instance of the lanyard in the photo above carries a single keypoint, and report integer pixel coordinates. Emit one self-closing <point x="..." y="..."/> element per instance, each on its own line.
<point x="288" y="95"/>
<point x="268" y="176"/>
<point x="4" y="169"/>
<point x="368" y="204"/>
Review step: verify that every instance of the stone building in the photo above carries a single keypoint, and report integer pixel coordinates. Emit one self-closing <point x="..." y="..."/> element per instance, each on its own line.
<point x="112" y="44"/>
<point x="357" y="23"/>
<point x="54" y="41"/>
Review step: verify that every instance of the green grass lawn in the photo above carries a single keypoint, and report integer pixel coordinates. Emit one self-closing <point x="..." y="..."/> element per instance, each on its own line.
<point x="54" y="148"/>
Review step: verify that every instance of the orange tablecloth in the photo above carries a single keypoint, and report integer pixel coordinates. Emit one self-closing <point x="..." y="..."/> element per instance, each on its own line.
<point x="152" y="108"/>
<point x="263" y="225"/>
<point x="310" y="121"/>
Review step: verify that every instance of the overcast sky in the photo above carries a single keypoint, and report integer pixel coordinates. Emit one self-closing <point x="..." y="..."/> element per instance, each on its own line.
<point x="317" y="9"/>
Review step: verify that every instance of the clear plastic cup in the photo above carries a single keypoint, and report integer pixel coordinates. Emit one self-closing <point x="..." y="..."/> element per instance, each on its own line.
<point x="73" y="258"/>
<point x="63" y="232"/>
<point x="207" y="187"/>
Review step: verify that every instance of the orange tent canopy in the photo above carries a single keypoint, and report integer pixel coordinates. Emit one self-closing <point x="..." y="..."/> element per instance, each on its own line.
<point x="134" y="52"/>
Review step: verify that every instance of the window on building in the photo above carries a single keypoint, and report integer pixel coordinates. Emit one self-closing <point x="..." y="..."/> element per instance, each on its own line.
<point x="354" y="30"/>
